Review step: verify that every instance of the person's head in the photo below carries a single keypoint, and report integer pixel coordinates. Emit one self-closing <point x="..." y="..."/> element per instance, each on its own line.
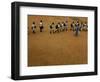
<point x="53" y="23"/>
<point x="66" y="21"/>
<point x="33" y="22"/>
<point x="40" y="20"/>
<point x="77" y="21"/>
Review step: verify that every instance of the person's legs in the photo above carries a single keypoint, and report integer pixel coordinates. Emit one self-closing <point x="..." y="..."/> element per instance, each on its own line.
<point x="40" y="29"/>
<point x="50" y="31"/>
<point x="77" y="32"/>
<point x="66" y="28"/>
<point x="33" y="31"/>
<point x="53" y="30"/>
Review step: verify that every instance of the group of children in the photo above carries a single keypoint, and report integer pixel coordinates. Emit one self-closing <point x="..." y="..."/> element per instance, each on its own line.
<point x="40" y="26"/>
<point x="76" y="26"/>
<point x="81" y="26"/>
<point x="59" y="27"/>
<point x="52" y="27"/>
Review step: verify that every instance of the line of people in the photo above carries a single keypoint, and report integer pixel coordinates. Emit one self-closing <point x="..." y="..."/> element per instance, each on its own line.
<point x="59" y="27"/>
<point x="52" y="27"/>
<point x="81" y="26"/>
<point x="76" y="26"/>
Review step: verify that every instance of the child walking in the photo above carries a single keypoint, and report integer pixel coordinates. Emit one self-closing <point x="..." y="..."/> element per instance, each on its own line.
<point x="33" y="27"/>
<point x="41" y="26"/>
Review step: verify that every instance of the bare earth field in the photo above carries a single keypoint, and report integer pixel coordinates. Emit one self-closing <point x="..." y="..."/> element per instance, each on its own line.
<point x="57" y="49"/>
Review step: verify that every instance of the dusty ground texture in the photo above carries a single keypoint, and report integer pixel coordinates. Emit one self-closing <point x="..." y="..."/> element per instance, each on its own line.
<point x="55" y="49"/>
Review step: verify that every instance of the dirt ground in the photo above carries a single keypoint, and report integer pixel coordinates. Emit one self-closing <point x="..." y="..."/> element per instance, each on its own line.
<point x="55" y="49"/>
